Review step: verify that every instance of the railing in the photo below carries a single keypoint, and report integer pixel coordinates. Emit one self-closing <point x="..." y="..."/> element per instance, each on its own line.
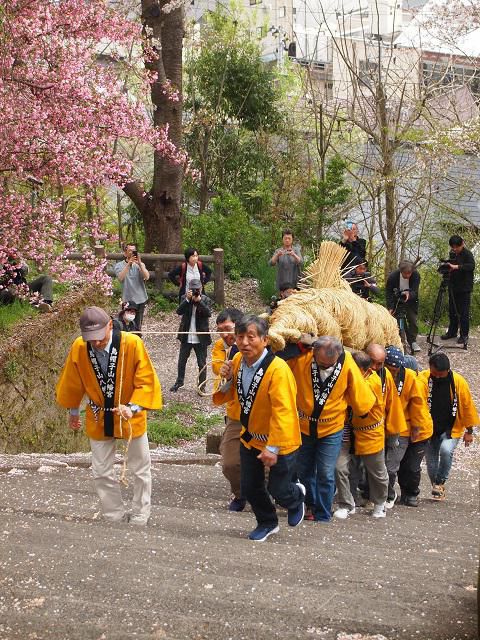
<point x="155" y="262"/>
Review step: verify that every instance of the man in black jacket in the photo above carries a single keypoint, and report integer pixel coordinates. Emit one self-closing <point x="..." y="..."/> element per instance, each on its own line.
<point x="402" y="293"/>
<point x="460" y="289"/>
<point x="195" y="311"/>
<point x="356" y="247"/>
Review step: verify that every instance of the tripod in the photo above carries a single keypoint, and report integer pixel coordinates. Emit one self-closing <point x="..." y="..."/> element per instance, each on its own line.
<point x="437" y="314"/>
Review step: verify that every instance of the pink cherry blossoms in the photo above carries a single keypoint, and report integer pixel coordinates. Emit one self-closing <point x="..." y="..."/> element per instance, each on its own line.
<point x="67" y="112"/>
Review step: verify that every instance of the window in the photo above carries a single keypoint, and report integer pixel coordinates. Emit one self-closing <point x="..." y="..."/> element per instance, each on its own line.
<point x="282" y="12"/>
<point x="259" y="32"/>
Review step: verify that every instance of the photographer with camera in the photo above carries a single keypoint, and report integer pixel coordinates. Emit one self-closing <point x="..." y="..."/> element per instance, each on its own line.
<point x="460" y="266"/>
<point x="402" y="299"/>
<point x="356" y="247"/>
<point x="288" y="261"/>
<point x="361" y="281"/>
<point x="133" y="274"/>
<point x="195" y="311"/>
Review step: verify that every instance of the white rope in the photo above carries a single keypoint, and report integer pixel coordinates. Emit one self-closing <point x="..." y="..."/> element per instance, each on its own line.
<point x="181" y="333"/>
<point x="123" y="476"/>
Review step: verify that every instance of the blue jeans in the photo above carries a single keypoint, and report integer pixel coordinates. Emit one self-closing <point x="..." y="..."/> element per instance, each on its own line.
<point x="316" y="462"/>
<point x="439" y="457"/>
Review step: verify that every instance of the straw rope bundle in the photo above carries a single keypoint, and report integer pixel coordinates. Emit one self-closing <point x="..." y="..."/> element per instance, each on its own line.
<point x="326" y="305"/>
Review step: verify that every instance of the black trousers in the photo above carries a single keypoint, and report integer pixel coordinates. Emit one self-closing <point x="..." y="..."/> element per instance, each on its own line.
<point x="459" y="312"/>
<point x="409" y="472"/>
<point x="200" y="352"/>
<point x="411" y="327"/>
<point x="280" y="485"/>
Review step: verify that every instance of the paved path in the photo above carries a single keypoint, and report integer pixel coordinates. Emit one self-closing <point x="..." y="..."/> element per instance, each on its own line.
<point x="192" y="574"/>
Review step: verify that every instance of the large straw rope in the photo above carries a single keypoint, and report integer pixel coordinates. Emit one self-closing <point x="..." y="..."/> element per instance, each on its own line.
<point x="326" y="305"/>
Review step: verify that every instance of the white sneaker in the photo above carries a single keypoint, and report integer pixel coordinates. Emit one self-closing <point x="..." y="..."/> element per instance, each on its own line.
<point x="379" y="511"/>
<point x="138" y="519"/>
<point x="389" y="504"/>
<point x="343" y="513"/>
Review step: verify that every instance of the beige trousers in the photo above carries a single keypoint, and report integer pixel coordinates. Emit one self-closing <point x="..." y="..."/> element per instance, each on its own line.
<point x="230" y="452"/>
<point x="106" y="482"/>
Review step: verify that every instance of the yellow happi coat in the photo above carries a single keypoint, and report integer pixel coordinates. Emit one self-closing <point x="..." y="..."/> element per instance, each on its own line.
<point x="140" y="386"/>
<point x="219" y="356"/>
<point x="273" y="413"/>
<point x="368" y="440"/>
<point x="467" y="415"/>
<point x="350" y="390"/>
<point x="413" y="396"/>
<point x="395" y="422"/>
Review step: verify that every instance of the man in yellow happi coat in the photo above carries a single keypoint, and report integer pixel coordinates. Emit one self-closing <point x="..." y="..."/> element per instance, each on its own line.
<point x="224" y="349"/>
<point x="411" y="390"/>
<point x="328" y="381"/>
<point x="395" y="422"/>
<point x="114" y="371"/>
<point x="454" y="415"/>
<point x="265" y="388"/>
<point x="365" y="437"/>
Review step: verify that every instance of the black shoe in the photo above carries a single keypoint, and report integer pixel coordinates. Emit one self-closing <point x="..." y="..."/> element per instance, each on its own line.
<point x="447" y="336"/>
<point x="177" y="386"/>
<point x="409" y="501"/>
<point x="462" y="340"/>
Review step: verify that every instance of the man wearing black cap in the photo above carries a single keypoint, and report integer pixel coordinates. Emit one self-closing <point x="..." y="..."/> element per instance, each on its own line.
<point x="193" y="332"/>
<point x="113" y="370"/>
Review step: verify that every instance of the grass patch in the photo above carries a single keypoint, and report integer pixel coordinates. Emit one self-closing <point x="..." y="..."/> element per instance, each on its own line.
<point x="12" y="313"/>
<point x="179" y="422"/>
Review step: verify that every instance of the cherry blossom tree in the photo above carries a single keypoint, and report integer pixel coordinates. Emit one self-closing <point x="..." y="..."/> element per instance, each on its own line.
<point x="66" y="112"/>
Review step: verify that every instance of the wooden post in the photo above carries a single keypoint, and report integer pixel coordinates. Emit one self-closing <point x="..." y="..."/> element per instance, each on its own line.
<point x="219" y="285"/>
<point x="159" y="275"/>
<point x="99" y="250"/>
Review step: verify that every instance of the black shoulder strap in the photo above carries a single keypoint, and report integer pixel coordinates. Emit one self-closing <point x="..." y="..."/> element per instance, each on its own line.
<point x="246" y="401"/>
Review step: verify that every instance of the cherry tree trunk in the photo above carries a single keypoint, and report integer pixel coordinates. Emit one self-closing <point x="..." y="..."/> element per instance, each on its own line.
<point x="161" y="212"/>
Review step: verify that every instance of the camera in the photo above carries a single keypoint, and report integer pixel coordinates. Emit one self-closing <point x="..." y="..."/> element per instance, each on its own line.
<point x="401" y="296"/>
<point x="135" y="253"/>
<point x="443" y="268"/>
<point x="196" y="292"/>
<point x="273" y="302"/>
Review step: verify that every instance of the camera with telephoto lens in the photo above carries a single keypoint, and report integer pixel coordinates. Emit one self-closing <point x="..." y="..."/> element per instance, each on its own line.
<point x="443" y="267"/>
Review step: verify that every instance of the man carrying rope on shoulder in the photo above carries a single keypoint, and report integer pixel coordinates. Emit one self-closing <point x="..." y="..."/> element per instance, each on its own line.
<point x="113" y="369"/>
<point x="265" y="388"/>
<point x="224" y="349"/>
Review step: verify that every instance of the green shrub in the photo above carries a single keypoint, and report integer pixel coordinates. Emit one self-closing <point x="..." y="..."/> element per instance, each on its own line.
<point x="158" y="303"/>
<point x="227" y="225"/>
<point x="267" y="284"/>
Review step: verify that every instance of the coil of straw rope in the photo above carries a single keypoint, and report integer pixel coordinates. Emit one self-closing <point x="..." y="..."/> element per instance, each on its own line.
<point x="326" y="305"/>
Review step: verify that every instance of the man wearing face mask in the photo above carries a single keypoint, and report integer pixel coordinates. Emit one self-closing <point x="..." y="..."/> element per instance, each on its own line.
<point x="454" y="415"/>
<point x="328" y="381"/>
<point x="126" y="319"/>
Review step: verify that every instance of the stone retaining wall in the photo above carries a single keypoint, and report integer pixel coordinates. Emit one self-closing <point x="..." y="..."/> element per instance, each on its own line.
<point x="30" y="364"/>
